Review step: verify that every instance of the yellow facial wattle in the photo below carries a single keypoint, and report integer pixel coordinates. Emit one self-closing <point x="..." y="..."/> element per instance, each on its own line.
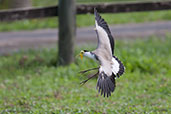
<point x="81" y="55"/>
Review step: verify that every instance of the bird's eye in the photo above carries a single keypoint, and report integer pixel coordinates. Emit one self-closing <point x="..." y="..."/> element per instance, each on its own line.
<point x="82" y="52"/>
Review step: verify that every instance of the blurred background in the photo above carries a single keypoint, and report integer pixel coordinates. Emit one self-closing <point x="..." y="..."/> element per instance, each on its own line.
<point x="5" y="4"/>
<point x="32" y="81"/>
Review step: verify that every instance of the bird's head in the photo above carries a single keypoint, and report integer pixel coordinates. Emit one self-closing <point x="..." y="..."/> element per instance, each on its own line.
<point x="82" y="52"/>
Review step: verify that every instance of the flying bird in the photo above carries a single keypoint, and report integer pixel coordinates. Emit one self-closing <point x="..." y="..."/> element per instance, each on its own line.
<point x="110" y="66"/>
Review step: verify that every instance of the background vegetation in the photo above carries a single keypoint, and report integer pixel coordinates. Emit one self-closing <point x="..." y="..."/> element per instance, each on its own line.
<point x="40" y="3"/>
<point x="87" y="20"/>
<point x="35" y="85"/>
<point x="84" y="20"/>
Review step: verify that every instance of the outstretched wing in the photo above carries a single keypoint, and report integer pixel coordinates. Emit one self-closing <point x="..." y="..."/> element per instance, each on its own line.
<point x="117" y="67"/>
<point x="104" y="35"/>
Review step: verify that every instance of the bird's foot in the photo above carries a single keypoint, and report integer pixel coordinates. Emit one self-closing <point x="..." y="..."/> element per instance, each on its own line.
<point x="84" y="71"/>
<point x="89" y="77"/>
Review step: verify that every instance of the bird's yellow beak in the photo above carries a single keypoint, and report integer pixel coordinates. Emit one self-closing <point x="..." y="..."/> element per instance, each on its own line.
<point x="81" y="55"/>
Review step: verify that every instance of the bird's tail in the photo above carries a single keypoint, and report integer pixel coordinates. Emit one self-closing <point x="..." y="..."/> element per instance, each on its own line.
<point x="105" y="84"/>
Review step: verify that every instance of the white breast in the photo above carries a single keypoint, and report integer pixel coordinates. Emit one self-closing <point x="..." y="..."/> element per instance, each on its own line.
<point x="89" y="55"/>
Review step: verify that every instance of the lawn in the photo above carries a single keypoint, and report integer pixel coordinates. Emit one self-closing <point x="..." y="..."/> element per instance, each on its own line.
<point x="88" y="20"/>
<point x="85" y="20"/>
<point x="40" y="3"/>
<point x="30" y="82"/>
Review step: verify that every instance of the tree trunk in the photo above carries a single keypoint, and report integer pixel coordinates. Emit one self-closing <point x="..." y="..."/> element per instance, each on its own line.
<point x="20" y="3"/>
<point x="67" y="30"/>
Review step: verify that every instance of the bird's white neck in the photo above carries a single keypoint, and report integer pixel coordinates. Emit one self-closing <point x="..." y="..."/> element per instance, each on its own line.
<point x="90" y="55"/>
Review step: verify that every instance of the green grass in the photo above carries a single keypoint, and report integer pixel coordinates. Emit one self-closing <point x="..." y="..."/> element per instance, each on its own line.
<point x="30" y="82"/>
<point x="87" y="20"/>
<point x="84" y="20"/>
<point x="38" y="3"/>
<point x="41" y="3"/>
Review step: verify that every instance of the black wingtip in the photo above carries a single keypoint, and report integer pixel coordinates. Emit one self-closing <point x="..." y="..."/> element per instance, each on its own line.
<point x="95" y="12"/>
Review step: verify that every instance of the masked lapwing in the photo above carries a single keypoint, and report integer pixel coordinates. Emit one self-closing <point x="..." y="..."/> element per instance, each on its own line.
<point x="110" y="66"/>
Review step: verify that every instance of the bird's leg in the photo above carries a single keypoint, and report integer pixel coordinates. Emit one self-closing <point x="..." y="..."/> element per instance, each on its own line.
<point x="84" y="71"/>
<point x="94" y="75"/>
